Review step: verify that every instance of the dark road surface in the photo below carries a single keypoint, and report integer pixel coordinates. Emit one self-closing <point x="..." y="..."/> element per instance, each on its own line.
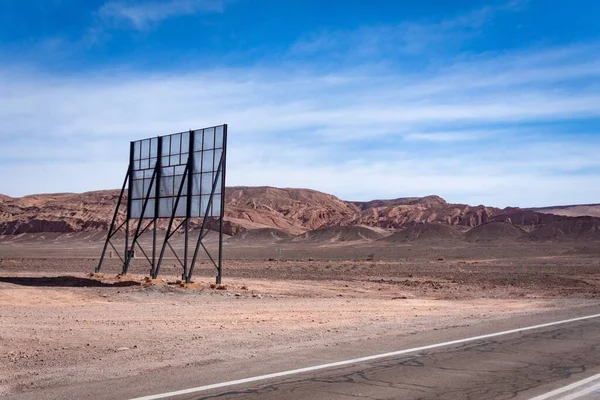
<point x="501" y="368"/>
<point x="512" y="366"/>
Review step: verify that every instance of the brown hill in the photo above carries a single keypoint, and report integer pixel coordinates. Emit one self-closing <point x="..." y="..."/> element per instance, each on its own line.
<point x="592" y="210"/>
<point x="334" y="234"/>
<point x="567" y="229"/>
<point x="426" y="232"/>
<point x="58" y="212"/>
<point x="403" y="201"/>
<point x="401" y="216"/>
<point x="527" y="218"/>
<point x="494" y="231"/>
<point x="294" y="211"/>
<point x="258" y="236"/>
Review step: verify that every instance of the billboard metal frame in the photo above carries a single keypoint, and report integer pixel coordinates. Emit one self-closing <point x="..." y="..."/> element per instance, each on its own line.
<point x="187" y="191"/>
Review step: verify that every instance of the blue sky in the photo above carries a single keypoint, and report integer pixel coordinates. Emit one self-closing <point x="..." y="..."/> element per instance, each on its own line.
<point x="493" y="103"/>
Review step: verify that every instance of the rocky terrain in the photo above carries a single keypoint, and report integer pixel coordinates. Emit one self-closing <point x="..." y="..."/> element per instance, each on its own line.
<point x="297" y="212"/>
<point x="305" y="273"/>
<point x="60" y="328"/>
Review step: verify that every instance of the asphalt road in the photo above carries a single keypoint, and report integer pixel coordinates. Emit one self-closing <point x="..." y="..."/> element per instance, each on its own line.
<point x="508" y="367"/>
<point x="512" y="366"/>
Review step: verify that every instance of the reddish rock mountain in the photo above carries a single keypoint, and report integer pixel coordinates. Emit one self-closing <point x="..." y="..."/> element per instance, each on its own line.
<point x="591" y="210"/>
<point x="58" y="212"/>
<point x="395" y="215"/>
<point x="403" y="201"/>
<point x="294" y="211"/>
<point x="291" y="210"/>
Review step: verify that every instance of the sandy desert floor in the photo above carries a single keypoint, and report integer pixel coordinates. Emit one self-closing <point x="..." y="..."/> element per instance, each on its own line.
<point x="59" y="326"/>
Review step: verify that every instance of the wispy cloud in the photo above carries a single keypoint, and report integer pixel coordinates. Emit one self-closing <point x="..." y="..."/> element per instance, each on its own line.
<point x="458" y="136"/>
<point x="143" y="14"/>
<point x="474" y="131"/>
<point x="405" y="38"/>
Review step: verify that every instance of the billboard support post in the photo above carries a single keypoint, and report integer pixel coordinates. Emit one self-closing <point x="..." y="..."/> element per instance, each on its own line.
<point x="112" y="230"/>
<point x="223" y="169"/>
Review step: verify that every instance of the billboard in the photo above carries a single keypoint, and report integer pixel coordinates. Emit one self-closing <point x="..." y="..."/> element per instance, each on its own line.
<point x="178" y="175"/>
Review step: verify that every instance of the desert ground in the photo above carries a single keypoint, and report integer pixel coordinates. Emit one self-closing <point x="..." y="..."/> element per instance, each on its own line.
<point x="281" y="298"/>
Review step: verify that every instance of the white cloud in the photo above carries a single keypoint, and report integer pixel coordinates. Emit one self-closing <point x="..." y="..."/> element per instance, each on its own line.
<point x="473" y="131"/>
<point x="407" y="38"/>
<point x="458" y="136"/>
<point x="417" y="177"/>
<point x="142" y="15"/>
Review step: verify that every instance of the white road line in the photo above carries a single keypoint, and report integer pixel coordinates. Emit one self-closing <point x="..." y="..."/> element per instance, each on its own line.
<point x="581" y="393"/>
<point x="356" y="360"/>
<point x="571" y="387"/>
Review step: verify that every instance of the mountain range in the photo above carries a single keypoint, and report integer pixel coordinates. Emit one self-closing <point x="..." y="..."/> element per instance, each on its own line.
<point x="293" y="211"/>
